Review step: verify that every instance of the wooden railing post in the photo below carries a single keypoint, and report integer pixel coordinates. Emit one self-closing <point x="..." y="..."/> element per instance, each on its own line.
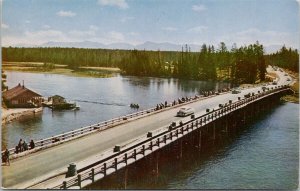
<point x="116" y="164"/>
<point x="134" y="154"/>
<point x="151" y="145"/>
<point x="143" y="149"/>
<point x="126" y="158"/>
<point x="158" y="142"/>
<point x="93" y="175"/>
<point x="64" y="185"/>
<point x="104" y="169"/>
<point x="79" y="180"/>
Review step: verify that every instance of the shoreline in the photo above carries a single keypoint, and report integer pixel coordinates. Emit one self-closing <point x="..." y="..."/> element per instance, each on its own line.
<point x="8" y="115"/>
<point x="37" y="67"/>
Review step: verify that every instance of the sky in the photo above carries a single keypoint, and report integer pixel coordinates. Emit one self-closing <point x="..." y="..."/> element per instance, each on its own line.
<point x="34" y="22"/>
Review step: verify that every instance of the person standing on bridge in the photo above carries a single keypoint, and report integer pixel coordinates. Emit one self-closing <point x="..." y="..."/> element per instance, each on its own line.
<point x="6" y="157"/>
<point x="25" y="146"/>
<point x="20" y="145"/>
<point x="32" y="145"/>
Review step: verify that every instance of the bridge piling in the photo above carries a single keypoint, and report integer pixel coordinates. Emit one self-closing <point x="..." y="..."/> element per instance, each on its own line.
<point x="157" y="161"/>
<point x="180" y="155"/>
<point x="199" y="142"/>
<point x="214" y="131"/>
<point x="125" y="177"/>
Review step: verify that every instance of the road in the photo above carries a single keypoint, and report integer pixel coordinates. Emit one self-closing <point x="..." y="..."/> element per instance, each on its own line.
<point x="28" y="169"/>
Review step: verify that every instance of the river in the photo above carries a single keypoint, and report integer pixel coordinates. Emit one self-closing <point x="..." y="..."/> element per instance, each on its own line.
<point x="264" y="156"/>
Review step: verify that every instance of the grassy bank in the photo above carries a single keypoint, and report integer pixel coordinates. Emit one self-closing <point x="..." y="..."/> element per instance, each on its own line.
<point x="295" y="87"/>
<point x="37" y="67"/>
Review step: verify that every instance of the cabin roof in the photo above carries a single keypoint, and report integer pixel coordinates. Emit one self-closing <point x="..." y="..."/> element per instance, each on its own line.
<point x="18" y="91"/>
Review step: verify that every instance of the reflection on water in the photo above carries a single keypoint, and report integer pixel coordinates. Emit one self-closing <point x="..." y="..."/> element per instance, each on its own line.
<point x="99" y="99"/>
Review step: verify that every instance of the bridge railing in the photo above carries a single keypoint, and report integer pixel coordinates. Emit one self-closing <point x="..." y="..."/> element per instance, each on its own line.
<point x="158" y="141"/>
<point x="43" y="143"/>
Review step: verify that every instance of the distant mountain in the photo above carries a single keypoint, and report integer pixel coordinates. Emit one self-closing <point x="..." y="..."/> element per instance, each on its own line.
<point x="125" y="46"/>
<point x="165" y="46"/>
<point x="83" y="44"/>
<point x="144" y="46"/>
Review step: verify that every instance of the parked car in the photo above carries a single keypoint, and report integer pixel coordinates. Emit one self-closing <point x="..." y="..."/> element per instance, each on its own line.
<point x="185" y="111"/>
<point x="274" y="83"/>
<point x="236" y="91"/>
<point x="285" y="75"/>
<point x="288" y="79"/>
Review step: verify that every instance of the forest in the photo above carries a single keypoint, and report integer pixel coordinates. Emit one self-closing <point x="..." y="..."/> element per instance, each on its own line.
<point x="245" y="64"/>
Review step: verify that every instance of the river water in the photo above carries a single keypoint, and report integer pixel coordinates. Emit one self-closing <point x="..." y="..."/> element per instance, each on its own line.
<point x="263" y="156"/>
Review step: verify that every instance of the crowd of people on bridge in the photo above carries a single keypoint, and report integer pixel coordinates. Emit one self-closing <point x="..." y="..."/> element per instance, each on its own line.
<point x="22" y="146"/>
<point x="186" y="99"/>
<point x="179" y="101"/>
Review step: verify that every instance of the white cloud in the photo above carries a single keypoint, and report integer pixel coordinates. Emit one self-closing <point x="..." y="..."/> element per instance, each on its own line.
<point x="65" y="13"/>
<point x="27" y="21"/>
<point x="134" y="33"/>
<point x="198" y="29"/>
<point x="169" y="29"/>
<point x="198" y="8"/>
<point x="4" y="26"/>
<point x="44" y="34"/>
<point x="122" y="4"/>
<point x="84" y="34"/>
<point x="266" y="38"/>
<point x="46" y="27"/>
<point x="116" y="36"/>
<point x="93" y="27"/>
<point x="125" y="19"/>
<point x="34" y="37"/>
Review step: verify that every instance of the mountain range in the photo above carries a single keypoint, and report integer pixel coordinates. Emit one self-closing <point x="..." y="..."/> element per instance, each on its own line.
<point x="165" y="46"/>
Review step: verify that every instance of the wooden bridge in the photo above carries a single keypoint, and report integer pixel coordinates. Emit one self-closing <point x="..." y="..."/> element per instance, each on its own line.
<point x="99" y="150"/>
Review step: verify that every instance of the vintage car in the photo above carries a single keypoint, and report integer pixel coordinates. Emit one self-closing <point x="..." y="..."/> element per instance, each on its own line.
<point x="236" y="91"/>
<point x="185" y="111"/>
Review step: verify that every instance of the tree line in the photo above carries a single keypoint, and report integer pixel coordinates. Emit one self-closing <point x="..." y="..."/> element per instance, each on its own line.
<point x="285" y="58"/>
<point x="245" y="64"/>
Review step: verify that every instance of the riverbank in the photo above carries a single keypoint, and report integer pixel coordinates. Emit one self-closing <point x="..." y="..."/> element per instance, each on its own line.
<point x="7" y="115"/>
<point x="294" y="98"/>
<point x="39" y="67"/>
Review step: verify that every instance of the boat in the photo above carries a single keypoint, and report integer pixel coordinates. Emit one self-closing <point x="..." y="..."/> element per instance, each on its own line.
<point x="58" y="102"/>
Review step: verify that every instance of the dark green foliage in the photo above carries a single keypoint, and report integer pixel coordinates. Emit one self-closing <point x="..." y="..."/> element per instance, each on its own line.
<point x="285" y="58"/>
<point x="240" y="65"/>
<point x="249" y="64"/>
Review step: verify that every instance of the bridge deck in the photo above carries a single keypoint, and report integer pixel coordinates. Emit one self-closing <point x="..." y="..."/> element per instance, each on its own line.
<point x="35" y="167"/>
